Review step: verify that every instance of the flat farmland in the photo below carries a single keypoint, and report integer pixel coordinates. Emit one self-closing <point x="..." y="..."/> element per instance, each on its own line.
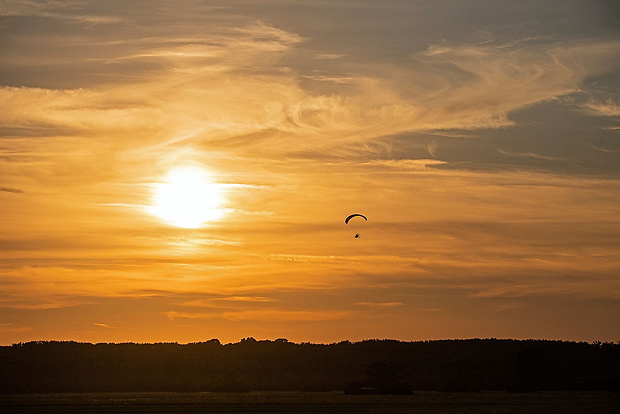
<point x="309" y="402"/>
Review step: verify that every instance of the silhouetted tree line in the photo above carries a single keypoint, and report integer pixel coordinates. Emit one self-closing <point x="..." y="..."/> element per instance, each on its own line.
<point x="372" y="366"/>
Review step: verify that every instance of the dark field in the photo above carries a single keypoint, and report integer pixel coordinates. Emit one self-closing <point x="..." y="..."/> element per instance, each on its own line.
<point x="309" y="402"/>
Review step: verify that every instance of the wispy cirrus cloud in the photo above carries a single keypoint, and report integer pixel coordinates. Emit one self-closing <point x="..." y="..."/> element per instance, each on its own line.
<point x="266" y="315"/>
<point x="381" y="304"/>
<point x="11" y="190"/>
<point x="102" y="325"/>
<point x="10" y="328"/>
<point x="607" y="107"/>
<point x="585" y="289"/>
<point x="227" y="301"/>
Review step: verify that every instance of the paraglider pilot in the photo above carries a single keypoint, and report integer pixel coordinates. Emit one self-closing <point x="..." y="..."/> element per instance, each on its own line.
<point x="346" y="221"/>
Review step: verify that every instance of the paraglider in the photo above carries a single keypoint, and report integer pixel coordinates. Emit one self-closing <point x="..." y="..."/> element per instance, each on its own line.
<point x="346" y="221"/>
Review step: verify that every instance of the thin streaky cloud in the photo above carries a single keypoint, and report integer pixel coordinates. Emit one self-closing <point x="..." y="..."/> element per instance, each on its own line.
<point x="607" y="108"/>
<point x="10" y="328"/>
<point x="102" y="325"/>
<point x="265" y="315"/>
<point x="381" y="304"/>
<point x="11" y="190"/>
<point x="226" y="301"/>
<point x="329" y="56"/>
<point x="581" y="290"/>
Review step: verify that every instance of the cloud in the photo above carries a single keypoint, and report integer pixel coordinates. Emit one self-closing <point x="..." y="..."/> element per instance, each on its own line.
<point x="11" y="190"/>
<point x="432" y="148"/>
<point x="441" y="143"/>
<point x="288" y="315"/>
<point x="39" y="302"/>
<point x="228" y="90"/>
<point x="480" y="84"/>
<point x="265" y="315"/>
<point x="410" y="165"/>
<point x="227" y="301"/>
<point x="66" y="11"/>
<point x="532" y="155"/>
<point x="10" y="328"/>
<point x="381" y="304"/>
<point x="607" y="108"/>
<point x="329" y="56"/>
<point x="71" y="112"/>
<point x="299" y="258"/>
<point x="326" y="78"/>
<point x="570" y="287"/>
<point x="35" y="8"/>
<point x="509" y="305"/>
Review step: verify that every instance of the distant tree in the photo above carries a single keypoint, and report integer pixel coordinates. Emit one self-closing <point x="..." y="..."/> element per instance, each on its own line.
<point x="529" y="367"/>
<point x="379" y="366"/>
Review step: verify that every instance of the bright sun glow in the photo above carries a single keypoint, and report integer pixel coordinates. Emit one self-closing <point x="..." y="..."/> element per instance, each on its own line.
<point x="187" y="198"/>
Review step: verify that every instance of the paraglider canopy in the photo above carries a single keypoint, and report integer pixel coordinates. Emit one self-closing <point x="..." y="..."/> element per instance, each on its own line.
<point x="346" y="221"/>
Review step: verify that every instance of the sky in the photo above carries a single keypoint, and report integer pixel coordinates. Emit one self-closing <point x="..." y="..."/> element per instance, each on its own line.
<point x="177" y="171"/>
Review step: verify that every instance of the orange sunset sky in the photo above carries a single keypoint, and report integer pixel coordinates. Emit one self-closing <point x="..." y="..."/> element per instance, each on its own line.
<point x="181" y="170"/>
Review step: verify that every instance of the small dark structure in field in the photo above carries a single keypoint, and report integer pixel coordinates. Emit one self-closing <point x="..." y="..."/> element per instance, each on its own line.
<point x="381" y="378"/>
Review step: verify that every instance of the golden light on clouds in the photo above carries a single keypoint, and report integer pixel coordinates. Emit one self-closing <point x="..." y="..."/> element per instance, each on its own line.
<point x="181" y="170"/>
<point x="187" y="198"/>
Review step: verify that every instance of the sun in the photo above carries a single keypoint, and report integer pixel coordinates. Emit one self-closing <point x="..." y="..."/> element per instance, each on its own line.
<point x="187" y="198"/>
